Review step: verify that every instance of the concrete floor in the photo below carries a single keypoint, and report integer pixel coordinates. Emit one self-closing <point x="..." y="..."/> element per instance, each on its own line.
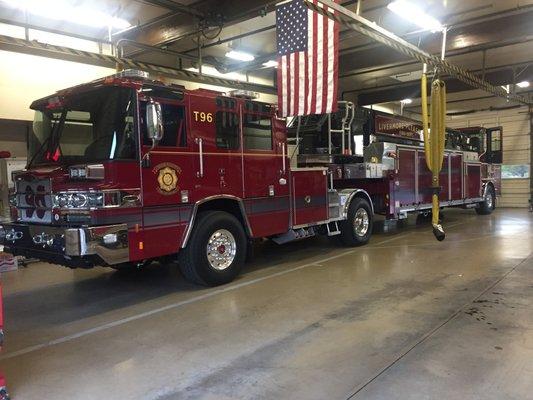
<point x="405" y="317"/>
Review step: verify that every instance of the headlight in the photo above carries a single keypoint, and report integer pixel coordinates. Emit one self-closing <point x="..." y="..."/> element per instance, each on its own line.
<point x="61" y="200"/>
<point x="79" y="200"/>
<point x="95" y="199"/>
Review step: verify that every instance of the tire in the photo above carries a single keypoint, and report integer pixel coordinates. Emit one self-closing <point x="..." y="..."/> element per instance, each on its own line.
<point x="216" y="250"/>
<point x="357" y="228"/>
<point x="489" y="202"/>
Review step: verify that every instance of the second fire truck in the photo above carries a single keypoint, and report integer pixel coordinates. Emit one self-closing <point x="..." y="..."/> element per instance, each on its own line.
<point x="125" y="170"/>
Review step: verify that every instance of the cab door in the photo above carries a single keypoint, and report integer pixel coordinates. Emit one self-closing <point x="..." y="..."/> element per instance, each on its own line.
<point x="165" y="172"/>
<point x="265" y="163"/>
<point x="168" y="165"/>
<point x="494" y="153"/>
<point x="216" y="134"/>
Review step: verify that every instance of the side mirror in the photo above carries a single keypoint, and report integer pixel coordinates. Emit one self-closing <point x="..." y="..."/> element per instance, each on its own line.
<point x="154" y="122"/>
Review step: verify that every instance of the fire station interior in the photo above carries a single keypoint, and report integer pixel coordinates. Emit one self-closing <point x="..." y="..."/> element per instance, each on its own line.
<point x="220" y="241"/>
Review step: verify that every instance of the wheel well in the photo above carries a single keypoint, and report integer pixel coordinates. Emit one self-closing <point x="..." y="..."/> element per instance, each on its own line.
<point x="364" y="195"/>
<point x="230" y="206"/>
<point x="489" y="183"/>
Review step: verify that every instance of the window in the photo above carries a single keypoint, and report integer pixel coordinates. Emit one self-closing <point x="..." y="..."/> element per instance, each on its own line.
<point x="257" y="131"/>
<point x="496" y="140"/>
<point x="174" y="133"/>
<point x="518" y="171"/>
<point x="227" y="124"/>
<point x="96" y="125"/>
<point x="225" y="102"/>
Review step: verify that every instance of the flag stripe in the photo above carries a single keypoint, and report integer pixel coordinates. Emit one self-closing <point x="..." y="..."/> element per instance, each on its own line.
<point x="313" y="52"/>
<point x="335" y="66"/>
<point x="310" y="62"/>
<point x="325" y="64"/>
<point x="285" y="85"/>
<point x="281" y="90"/>
<point x="330" y="50"/>
<point x="301" y="89"/>
<point x="320" y="63"/>
<point x="291" y="87"/>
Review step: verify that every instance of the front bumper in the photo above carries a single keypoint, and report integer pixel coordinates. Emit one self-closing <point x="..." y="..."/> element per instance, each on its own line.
<point x="73" y="247"/>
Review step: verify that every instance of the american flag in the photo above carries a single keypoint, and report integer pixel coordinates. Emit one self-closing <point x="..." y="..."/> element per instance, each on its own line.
<point x="308" y="54"/>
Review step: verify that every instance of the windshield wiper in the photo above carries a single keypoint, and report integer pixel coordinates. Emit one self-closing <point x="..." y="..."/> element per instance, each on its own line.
<point x="53" y="132"/>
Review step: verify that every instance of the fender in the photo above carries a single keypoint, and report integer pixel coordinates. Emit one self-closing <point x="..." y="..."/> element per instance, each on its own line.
<point x="352" y="193"/>
<point x="239" y="201"/>
<point x="485" y="188"/>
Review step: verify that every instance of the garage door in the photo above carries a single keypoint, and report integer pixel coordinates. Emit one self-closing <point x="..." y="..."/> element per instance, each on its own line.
<point x="516" y="150"/>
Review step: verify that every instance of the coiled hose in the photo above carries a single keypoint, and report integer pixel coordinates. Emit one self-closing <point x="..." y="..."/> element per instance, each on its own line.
<point x="434" y="142"/>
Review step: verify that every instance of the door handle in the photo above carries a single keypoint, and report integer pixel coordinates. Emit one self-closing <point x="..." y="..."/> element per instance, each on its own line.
<point x="200" y="143"/>
<point x="283" y="152"/>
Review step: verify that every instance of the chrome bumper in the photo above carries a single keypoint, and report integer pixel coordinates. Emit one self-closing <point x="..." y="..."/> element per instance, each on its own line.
<point x="110" y="243"/>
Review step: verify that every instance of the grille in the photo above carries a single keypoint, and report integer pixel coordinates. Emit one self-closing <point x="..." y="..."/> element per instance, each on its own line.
<point x="34" y="201"/>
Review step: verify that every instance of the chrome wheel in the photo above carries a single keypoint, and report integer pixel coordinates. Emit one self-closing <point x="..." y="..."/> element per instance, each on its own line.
<point x="361" y="222"/>
<point x="221" y="249"/>
<point x="488" y="199"/>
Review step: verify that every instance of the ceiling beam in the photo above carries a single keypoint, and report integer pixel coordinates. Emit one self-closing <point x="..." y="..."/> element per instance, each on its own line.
<point x="474" y="37"/>
<point x="217" y="13"/>
<point x="379" y="34"/>
<point x="499" y="76"/>
<point x="175" y="7"/>
<point x="10" y="43"/>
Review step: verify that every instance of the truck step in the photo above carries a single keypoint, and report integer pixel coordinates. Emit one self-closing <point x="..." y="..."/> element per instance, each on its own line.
<point x="333" y="228"/>
<point x="294" y="234"/>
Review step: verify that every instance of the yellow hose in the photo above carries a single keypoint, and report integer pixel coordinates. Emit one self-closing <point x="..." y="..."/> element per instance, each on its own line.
<point x="434" y="140"/>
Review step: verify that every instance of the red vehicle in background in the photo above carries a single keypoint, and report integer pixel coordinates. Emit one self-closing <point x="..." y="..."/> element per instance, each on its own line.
<point x="125" y="170"/>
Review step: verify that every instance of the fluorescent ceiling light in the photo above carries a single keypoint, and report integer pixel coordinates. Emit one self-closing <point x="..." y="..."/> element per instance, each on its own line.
<point x="64" y="11"/>
<point x="240" y="55"/>
<point x="208" y="70"/>
<point x="414" y="14"/>
<point x="523" y="84"/>
<point x="406" y="101"/>
<point x="270" y="64"/>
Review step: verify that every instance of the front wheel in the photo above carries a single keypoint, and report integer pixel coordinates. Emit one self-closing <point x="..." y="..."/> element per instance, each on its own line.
<point x="216" y="249"/>
<point x="489" y="202"/>
<point x="357" y="228"/>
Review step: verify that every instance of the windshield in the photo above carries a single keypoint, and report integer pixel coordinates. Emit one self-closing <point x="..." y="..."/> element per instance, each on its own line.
<point x="93" y="126"/>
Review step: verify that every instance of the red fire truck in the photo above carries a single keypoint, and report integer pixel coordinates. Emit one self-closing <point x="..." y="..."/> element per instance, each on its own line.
<point x="126" y="170"/>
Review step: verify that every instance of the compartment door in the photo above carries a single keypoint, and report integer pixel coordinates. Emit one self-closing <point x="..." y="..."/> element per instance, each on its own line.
<point x="456" y="176"/>
<point x="309" y="196"/>
<point x="473" y="181"/>
<point x="405" y="188"/>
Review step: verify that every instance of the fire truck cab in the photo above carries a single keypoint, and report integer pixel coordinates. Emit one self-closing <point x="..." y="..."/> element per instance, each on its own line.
<point x="125" y="170"/>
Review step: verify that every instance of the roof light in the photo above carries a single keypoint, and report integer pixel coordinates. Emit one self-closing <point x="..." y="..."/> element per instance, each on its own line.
<point x="240" y="55"/>
<point x="244" y="94"/>
<point x="270" y="64"/>
<point x="64" y="11"/>
<point x="523" y="84"/>
<point x="406" y="101"/>
<point x="414" y="14"/>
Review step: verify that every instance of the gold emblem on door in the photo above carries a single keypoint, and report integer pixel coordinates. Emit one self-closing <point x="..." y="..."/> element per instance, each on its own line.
<point x="167" y="178"/>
